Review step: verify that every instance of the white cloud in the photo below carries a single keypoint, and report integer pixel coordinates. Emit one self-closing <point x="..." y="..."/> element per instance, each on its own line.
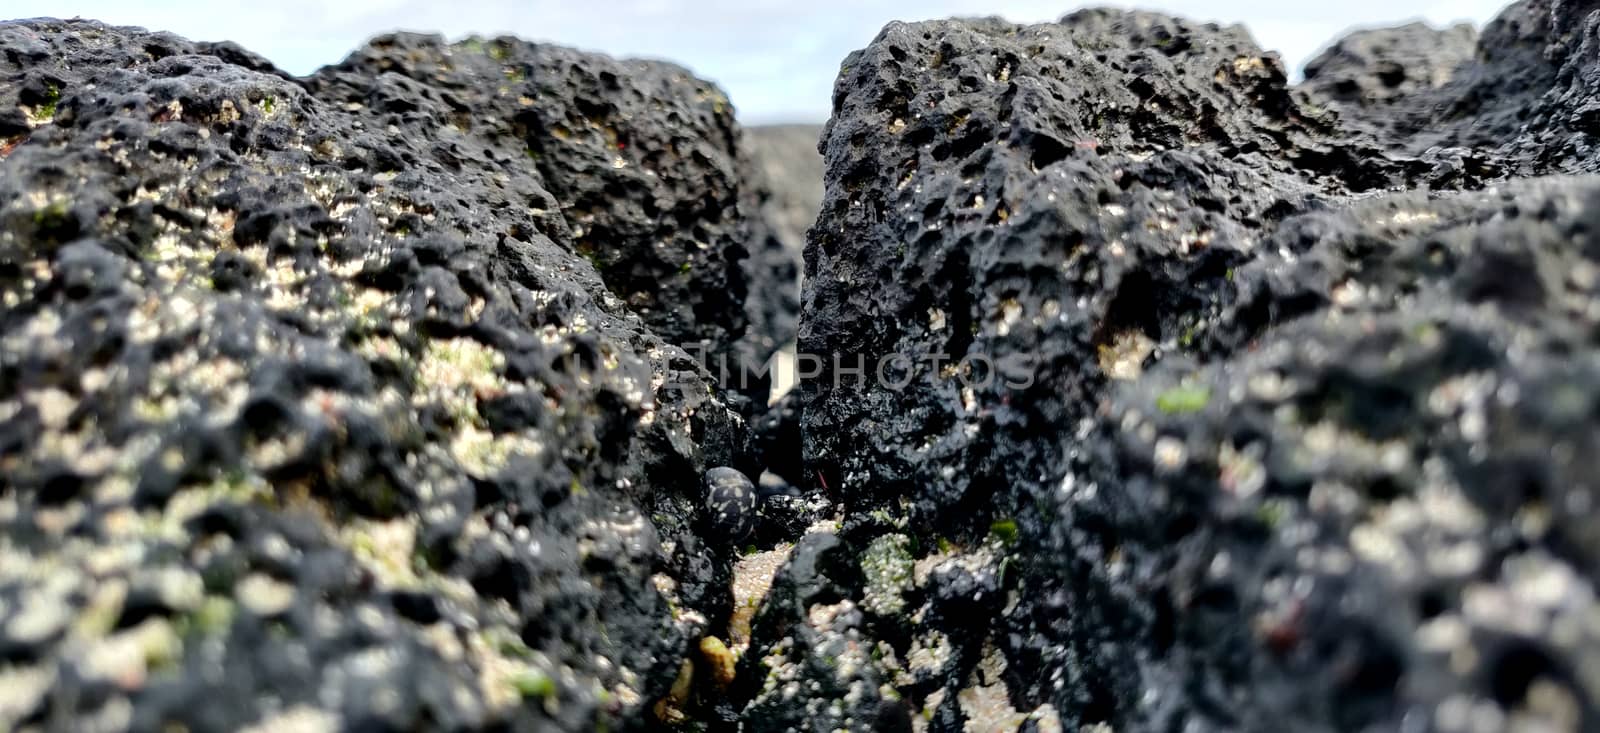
<point x="776" y="58"/>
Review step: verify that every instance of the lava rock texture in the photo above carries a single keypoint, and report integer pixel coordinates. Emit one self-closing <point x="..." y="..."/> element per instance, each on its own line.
<point x="1376" y="68"/>
<point x="1158" y="394"/>
<point x="1208" y="402"/>
<point x="365" y="400"/>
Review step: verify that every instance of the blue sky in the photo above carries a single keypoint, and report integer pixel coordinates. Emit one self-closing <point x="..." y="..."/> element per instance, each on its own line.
<point x="775" y="58"/>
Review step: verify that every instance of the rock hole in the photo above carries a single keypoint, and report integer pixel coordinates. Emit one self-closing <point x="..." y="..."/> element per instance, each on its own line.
<point x="1046" y="151"/>
<point x="1515" y="669"/>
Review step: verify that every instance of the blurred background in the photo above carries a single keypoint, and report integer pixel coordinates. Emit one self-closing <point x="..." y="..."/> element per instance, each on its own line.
<point x="775" y="58"/>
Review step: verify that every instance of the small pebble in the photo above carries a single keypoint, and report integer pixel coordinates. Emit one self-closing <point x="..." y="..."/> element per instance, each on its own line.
<point x="732" y="500"/>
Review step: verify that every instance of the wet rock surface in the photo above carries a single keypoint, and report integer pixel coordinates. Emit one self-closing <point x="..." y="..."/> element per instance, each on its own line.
<point x="1209" y="403"/>
<point x="1156" y="393"/>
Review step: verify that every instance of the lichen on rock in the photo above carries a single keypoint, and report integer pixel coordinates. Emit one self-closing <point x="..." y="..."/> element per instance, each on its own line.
<point x="387" y="397"/>
<point x="315" y="411"/>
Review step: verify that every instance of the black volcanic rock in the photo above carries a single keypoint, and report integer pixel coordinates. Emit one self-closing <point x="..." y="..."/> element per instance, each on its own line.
<point x="1524" y="102"/>
<point x="645" y="164"/>
<point x="358" y="401"/>
<point x="1368" y="71"/>
<point x="1374" y="511"/>
<point x="1210" y="403"/>
<point x="1047" y="194"/>
<point x="1156" y="394"/>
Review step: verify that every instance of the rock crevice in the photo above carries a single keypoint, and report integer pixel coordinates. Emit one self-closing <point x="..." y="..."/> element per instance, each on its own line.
<point x="380" y="398"/>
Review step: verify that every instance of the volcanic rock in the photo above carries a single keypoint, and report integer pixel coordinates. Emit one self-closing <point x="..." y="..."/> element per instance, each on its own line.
<point x="1157" y="393"/>
<point x="362" y="400"/>
<point x="1207" y="402"/>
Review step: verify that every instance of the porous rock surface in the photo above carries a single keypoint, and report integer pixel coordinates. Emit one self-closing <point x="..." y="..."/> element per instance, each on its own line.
<point x="1276" y="402"/>
<point x="1207" y="402"/>
<point x="362" y="401"/>
<point x="1377" y="67"/>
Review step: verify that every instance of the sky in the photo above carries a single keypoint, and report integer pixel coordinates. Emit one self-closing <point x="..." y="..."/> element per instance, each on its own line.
<point x="775" y="58"/>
